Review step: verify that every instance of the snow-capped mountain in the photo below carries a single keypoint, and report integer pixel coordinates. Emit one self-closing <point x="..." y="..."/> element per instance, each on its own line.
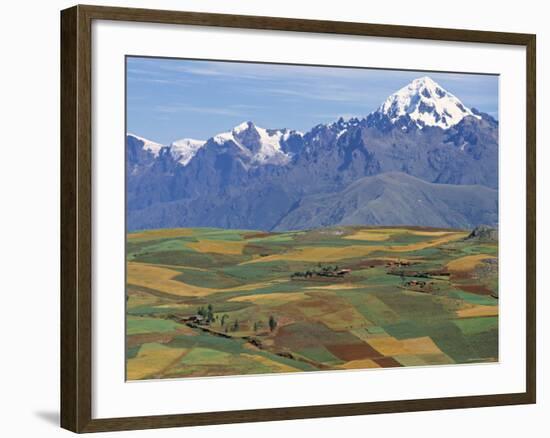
<point x="427" y="104"/>
<point x="259" y="145"/>
<point x="182" y="151"/>
<point x="251" y="177"/>
<point x="185" y="149"/>
<point x="148" y="145"/>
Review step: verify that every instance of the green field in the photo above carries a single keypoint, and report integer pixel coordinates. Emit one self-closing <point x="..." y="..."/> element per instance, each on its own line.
<point x="212" y="302"/>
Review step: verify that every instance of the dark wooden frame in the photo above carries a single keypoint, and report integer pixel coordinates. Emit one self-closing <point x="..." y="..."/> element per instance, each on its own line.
<point x="76" y="219"/>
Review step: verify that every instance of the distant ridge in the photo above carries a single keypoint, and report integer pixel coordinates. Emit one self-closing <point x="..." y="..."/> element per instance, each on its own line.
<point x="396" y="198"/>
<point x="422" y="158"/>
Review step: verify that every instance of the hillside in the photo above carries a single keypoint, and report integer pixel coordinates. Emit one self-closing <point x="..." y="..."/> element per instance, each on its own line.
<point x="211" y="302"/>
<point x="395" y="198"/>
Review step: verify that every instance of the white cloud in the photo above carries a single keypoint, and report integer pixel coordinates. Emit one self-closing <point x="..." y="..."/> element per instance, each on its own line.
<point x="183" y="108"/>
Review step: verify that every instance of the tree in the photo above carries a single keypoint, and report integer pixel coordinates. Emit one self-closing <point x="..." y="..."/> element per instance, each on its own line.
<point x="272" y="323"/>
<point x="235" y="326"/>
<point x="210" y="313"/>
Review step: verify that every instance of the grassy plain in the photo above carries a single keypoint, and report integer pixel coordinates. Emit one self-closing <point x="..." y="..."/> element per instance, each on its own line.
<point x="211" y="302"/>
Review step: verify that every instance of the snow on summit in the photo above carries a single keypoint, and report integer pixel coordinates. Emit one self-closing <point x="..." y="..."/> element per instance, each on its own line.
<point x="148" y="145"/>
<point x="185" y="149"/>
<point x="260" y="145"/>
<point x="271" y="150"/>
<point x="427" y="104"/>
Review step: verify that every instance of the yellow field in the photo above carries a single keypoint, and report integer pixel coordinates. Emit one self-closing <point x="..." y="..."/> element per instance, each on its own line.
<point x="369" y="235"/>
<point x="338" y="286"/>
<point x="390" y="346"/>
<point x="428" y="233"/>
<point x="162" y="233"/>
<point x="141" y="299"/>
<point x="359" y="364"/>
<point x="386" y="233"/>
<point x="219" y="246"/>
<point x="480" y="310"/>
<point x="277" y="367"/>
<point x="277" y="297"/>
<point x="327" y="254"/>
<point x="414" y="360"/>
<point x="152" y="359"/>
<point x="449" y="237"/>
<point x="161" y="279"/>
<point x="250" y="286"/>
<point x="467" y="263"/>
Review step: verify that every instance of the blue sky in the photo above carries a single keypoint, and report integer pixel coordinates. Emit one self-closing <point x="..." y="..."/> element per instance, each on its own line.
<point x="169" y="99"/>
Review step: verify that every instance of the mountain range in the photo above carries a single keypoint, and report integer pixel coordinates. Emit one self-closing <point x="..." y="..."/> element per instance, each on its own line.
<point x="421" y="158"/>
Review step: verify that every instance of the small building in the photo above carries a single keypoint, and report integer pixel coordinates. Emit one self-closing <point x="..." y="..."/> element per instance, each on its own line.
<point x="416" y="283"/>
<point x="343" y="272"/>
<point x="196" y="319"/>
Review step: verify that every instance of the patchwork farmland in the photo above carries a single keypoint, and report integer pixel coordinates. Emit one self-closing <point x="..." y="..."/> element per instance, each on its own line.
<point x="212" y="302"/>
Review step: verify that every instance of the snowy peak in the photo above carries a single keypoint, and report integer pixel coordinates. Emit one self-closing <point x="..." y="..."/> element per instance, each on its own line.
<point x="271" y="148"/>
<point x="244" y="126"/>
<point x="426" y="103"/>
<point x="148" y="145"/>
<point x="259" y="145"/>
<point x="185" y="149"/>
<point x="181" y="151"/>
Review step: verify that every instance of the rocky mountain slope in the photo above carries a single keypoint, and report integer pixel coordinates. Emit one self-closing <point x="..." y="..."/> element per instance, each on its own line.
<point x="421" y="143"/>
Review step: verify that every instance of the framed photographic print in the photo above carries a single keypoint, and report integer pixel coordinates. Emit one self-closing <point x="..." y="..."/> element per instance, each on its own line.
<point x="268" y="218"/>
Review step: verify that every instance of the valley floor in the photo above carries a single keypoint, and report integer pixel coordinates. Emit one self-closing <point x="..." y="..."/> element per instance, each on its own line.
<point x="212" y="302"/>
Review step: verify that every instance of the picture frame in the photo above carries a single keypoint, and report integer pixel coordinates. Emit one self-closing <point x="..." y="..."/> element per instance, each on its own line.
<point x="77" y="194"/>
